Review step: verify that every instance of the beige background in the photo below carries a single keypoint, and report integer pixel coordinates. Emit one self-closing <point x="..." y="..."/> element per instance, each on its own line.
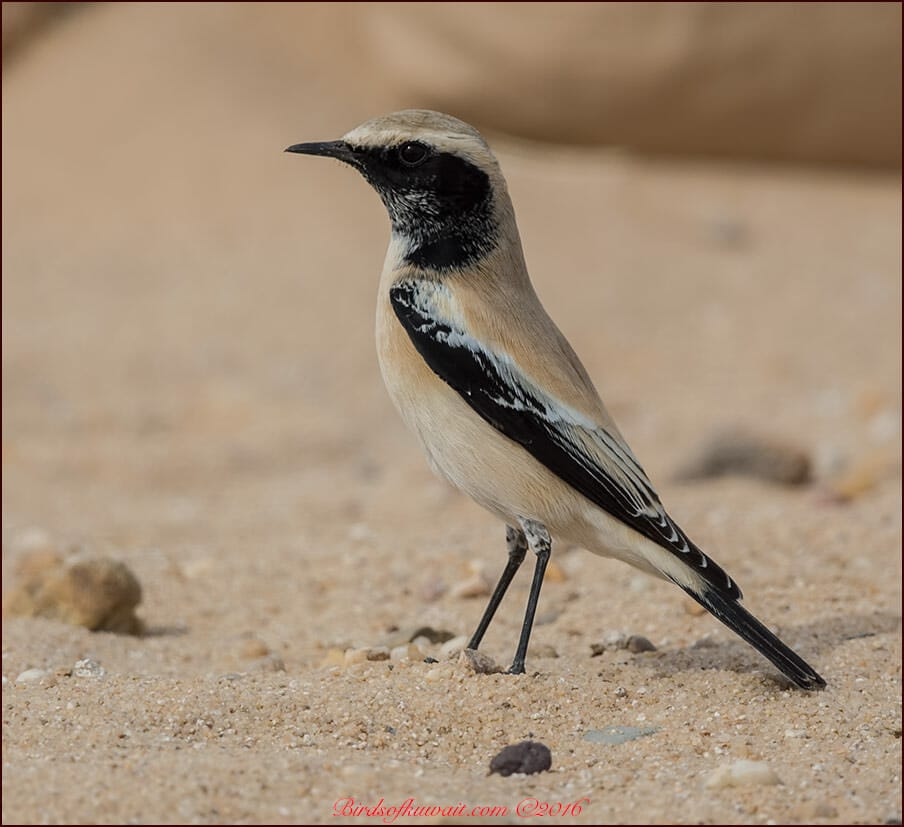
<point x="189" y="385"/>
<point x="783" y="81"/>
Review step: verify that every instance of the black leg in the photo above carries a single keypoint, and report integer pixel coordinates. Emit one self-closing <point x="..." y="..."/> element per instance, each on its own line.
<point x="517" y="549"/>
<point x="540" y="544"/>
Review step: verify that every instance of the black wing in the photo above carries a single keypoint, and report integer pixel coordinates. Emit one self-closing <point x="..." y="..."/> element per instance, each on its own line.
<point x="581" y="453"/>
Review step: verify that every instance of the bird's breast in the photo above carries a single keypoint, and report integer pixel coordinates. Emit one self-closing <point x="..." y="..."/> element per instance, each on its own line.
<point x="418" y="394"/>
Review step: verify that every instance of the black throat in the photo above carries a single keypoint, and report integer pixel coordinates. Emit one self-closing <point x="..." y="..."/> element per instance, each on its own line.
<point x="444" y="207"/>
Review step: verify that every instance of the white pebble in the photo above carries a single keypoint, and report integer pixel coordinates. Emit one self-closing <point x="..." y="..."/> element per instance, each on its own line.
<point x="742" y="774"/>
<point x="353" y="656"/>
<point x="452" y="647"/>
<point x="88" y="668"/>
<point x="407" y="652"/>
<point x="438" y="673"/>
<point x="32" y="675"/>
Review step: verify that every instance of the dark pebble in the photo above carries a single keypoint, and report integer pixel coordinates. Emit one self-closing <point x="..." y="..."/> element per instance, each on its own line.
<point x="433" y="635"/>
<point x="527" y="757"/>
<point x="638" y="643"/>
<point x="733" y="451"/>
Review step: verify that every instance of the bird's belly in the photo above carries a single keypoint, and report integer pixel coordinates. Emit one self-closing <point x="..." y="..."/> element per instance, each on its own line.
<point x="453" y="437"/>
<point x="460" y="445"/>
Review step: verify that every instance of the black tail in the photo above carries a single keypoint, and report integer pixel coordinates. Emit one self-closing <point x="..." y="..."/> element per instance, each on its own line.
<point x="739" y="620"/>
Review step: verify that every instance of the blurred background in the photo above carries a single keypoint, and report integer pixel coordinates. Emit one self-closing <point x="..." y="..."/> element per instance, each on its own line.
<point x="710" y="202"/>
<point x="721" y="181"/>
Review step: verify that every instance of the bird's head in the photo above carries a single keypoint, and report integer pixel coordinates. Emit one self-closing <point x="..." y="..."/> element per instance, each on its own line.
<point x="436" y="175"/>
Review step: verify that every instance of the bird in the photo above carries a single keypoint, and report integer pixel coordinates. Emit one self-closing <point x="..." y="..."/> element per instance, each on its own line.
<point x="502" y="406"/>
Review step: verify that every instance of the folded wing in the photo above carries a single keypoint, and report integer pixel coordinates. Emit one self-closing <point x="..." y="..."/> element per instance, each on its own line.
<point x="579" y="451"/>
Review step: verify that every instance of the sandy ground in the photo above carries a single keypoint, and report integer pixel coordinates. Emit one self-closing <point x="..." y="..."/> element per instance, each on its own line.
<point x="190" y="386"/>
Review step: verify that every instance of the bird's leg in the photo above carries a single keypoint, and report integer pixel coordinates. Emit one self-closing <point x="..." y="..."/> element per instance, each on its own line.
<point x="517" y="549"/>
<point x="539" y="542"/>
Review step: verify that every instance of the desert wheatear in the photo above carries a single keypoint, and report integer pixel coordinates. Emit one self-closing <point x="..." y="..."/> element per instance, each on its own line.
<point x="502" y="405"/>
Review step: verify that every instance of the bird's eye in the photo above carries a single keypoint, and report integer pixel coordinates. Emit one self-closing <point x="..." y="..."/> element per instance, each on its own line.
<point x="412" y="153"/>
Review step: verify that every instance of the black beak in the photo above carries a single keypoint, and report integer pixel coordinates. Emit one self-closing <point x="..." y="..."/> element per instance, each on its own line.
<point x="329" y="149"/>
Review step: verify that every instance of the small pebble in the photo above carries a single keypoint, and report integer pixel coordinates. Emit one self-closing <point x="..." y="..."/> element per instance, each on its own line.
<point x="377" y="653"/>
<point x="270" y="663"/>
<point x="541" y="650"/>
<point x="440" y="672"/>
<point x="410" y="634"/>
<point x="638" y="643"/>
<point x="88" y="668"/>
<point x="409" y="651"/>
<point x="333" y="657"/>
<point x="253" y="648"/>
<point x="737" y="452"/>
<point x="704" y="643"/>
<point x="98" y="593"/>
<point x="478" y="662"/>
<point x="554" y="573"/>
<point x="32" y="675"/>
<point x="615" y="641"/>
<point x="742" y="774"/>
<point x="528" y="757"/>
<point x="353" y="656"/>
<point x="858" y="478"/>
<point x="451" y="648"/>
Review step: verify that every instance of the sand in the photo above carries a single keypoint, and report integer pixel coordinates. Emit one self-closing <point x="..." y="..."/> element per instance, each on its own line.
<point x="190" y="387"/>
